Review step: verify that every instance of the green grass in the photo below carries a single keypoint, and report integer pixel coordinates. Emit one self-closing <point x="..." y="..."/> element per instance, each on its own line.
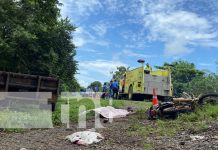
<point x="194" y="122"/>
<point x="14" y="130"/>
<point x="88" y="103"/>
<point x="148" y="146"/>
<point x="138" y="123"/>
<point x="13" y="121"/>
<point x="207" y="113"/>
<point x="74" y="106"/>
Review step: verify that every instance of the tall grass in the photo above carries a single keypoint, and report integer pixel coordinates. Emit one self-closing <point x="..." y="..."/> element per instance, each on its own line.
<point x="206" y="113"/>
<point x="74" y="106"/>
<point x="194" y="122"/>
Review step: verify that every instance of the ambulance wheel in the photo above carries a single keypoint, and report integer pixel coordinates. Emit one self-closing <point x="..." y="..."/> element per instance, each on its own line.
<point x="138" y="97"/>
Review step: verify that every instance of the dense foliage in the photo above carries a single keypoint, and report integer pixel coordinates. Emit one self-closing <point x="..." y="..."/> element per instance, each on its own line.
<point x="202" y="85"/>
<point x="186" y="78"/>
<point x="96" y="84"/>
<point x="183" y="73"/>
<point x="118" y="74"/>
<point x="34" y="39"/>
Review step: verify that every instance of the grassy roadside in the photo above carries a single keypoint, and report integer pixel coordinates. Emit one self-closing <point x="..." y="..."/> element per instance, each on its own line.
<point x="138" y="125"/>
<point x="74" y="106"/>
<point x="193" y="122"/>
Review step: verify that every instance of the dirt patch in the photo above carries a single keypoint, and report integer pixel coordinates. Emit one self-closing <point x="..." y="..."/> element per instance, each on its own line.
<point x="116" y="137"/>
<point x="183" y="141"/>
<point x="114" y="133"/>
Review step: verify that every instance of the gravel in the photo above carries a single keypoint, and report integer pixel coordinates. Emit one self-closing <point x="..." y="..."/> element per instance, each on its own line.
<point x="116" y="137"/>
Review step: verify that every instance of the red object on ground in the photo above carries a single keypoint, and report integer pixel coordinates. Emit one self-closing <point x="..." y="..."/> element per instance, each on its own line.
<point x="155" y="101"/>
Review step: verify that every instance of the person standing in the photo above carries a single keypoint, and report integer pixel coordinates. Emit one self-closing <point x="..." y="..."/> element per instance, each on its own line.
<point x="104" y="90"/>
<point x="115" y="88"/>
<point x="96" y="89"/>
<point x="111" y="88"/>
<point x="148" y="69"/>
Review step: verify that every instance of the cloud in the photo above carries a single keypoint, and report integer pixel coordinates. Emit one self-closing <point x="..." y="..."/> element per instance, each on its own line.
<point x="178" y="24"/>
<point x="92" y="51"/>
<point x="176" y="47"/>
<point x="100" y="29"/>
<point x="166" y="21"/>
<point x="114" y="6"/>
<point x="86" y="7"/>
<point x="189" y="26"/>
<point x="205" y="64"/>
<point x="82" y="83"/>
<point x="88" y="50"/>
<point x="103" y="67"/>
<point x="177" y="28"/>
<point x="79" y="41"/>
<point x="77" y="8"/>
<point x="83" y="37"/>
<point x="130" y="53"/>
<point x="207" y="43"/>
<point x="97" y="70"/>
<point x="85" y="80"/>
<point x="183" y="23"/>
<point x="136" y="39"/>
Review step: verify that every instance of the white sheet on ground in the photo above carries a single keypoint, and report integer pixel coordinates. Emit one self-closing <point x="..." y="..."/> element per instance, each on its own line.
<point x="111" y="112"/>
<point x="85" y="137"/>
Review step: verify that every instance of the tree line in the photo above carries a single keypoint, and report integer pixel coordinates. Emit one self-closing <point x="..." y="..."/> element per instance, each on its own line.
<point x="187" y="78"/>
<point x="34" y="39"/>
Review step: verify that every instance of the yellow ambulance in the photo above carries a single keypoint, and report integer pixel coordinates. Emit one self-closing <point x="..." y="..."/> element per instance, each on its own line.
<point x="138" y="84"/>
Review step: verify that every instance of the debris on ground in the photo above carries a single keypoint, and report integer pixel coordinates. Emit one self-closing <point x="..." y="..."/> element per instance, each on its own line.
<point x="111" y="112"/>
<point x="196" y="137"/>
<point x="130" y="109"/>
<point x="85" y="138"/>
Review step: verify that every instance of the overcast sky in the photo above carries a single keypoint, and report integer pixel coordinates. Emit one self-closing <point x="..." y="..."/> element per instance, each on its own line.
<point x="112" y="33"/>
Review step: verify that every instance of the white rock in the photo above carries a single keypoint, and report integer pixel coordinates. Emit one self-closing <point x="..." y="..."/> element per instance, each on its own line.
<point x="196" y="137"/>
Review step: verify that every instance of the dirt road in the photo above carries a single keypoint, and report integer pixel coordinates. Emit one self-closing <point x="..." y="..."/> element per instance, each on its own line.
<point x="117" y="136"/>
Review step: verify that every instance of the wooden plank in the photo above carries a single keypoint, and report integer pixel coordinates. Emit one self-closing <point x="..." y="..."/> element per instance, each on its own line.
<point x="7" y="82"/>
<point x="38" y="84"/>
<point x="22" y="85"/>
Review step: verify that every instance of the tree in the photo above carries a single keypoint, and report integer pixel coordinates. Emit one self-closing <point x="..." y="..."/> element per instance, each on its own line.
<point x="120" y="72"/>
<point x="183" y="73"/>
<point x="95" y="84"/>
<point x="204" y="84"/>
<point x="34" y="39"/>
<point x="82" y="89"/>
